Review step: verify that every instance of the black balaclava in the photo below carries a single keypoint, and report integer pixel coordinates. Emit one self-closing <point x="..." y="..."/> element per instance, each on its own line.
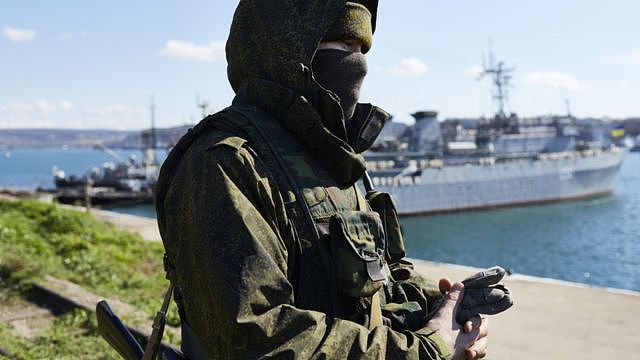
<point x="342" y="73"/>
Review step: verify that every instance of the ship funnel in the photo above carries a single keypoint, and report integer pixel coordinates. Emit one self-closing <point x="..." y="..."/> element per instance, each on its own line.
<point x="425" y="135"/>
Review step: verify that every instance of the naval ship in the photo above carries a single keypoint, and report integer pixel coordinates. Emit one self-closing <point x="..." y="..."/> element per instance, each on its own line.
<point x="433" y="167"/>
<point x="126" y="182"/>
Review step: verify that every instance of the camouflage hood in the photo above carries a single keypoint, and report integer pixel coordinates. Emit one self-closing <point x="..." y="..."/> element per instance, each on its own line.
<point x="275" y="39"/>
<point x="269" y="53"/>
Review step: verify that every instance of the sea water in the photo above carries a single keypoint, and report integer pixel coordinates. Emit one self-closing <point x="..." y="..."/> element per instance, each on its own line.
<point x="595" y="241"/>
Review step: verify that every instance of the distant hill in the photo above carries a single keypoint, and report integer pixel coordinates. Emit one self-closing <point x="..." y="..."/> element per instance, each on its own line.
<point x="164" y="138"/>
<point x="51" y="138"/>
<point x="42" y="138"/>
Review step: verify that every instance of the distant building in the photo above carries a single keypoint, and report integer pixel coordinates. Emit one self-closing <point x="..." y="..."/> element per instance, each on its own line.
<point x="632" y="126"/>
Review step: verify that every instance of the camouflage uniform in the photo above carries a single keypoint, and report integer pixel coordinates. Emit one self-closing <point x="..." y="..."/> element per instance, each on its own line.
<point x="254" y="278"/>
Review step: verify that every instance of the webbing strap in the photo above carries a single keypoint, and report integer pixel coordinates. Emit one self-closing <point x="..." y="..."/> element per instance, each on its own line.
<point x="362" y="202"/>
<point x="153" y="343"/>
<point x="264" y="123"/>
<point x="375" y="319"/>
<point x="191" y="347"/>
<point x="250" y="114"/>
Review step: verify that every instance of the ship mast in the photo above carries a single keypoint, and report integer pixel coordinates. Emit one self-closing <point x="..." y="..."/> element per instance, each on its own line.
<point x="202" y="105"/>
<point x="149" y="142"/>
<point x="501" y="78"/>
<point x="152" y="110"/>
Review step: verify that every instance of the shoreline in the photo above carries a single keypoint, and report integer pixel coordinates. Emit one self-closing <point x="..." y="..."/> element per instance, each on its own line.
<point x="533" y="278"/>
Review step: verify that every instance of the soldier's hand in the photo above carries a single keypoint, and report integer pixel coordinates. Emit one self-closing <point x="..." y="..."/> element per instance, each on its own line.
<point x="468" y="341"/>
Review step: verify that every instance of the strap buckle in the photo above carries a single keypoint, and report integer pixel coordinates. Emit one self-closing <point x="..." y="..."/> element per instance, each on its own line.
<point x="169" y="269"/>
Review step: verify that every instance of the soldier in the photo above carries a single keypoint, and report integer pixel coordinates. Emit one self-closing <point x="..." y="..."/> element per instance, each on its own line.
<point x="275" y="250"/>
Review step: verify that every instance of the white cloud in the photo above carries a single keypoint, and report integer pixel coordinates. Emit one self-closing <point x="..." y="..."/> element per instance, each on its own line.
<point x="40" y="107"/>
<point x="190" y="51"/>
<point x="474" y="71"/>
<point x="410" y="67"/>
<point x="125" y="112"/>
<point x="65" y="114"/>
<point x="555" y="80"/>
<point x="18" y="35"/>
<point x="34" y="114"/>
<point x="65" y="105"/>
<point x="628" y="58"/>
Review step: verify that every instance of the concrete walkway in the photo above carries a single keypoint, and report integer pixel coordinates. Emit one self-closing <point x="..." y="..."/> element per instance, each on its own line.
<point x="146" y="227"/>
<point x="550" y="319"/>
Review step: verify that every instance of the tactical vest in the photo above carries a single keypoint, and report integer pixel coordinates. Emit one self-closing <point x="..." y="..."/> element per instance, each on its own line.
<point x="343" y="245"/>
<point x="338" y="234"/>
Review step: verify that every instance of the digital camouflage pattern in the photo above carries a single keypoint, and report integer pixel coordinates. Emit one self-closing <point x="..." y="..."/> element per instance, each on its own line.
<point x="355" y="238"/>
<point x="355" y="24"/>
<point x="254" y="281"/>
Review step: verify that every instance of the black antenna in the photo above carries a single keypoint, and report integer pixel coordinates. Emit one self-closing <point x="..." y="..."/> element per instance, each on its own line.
<point x="501" y="78"/>
<point x="149" y="140"/>
<point x="567" y="103"/>
<point x="152" y="110"/>
<point x="202" y="105"/>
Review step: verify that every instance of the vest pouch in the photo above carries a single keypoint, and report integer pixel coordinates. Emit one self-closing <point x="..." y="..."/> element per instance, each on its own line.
<point x="382" y="203"/>
<point x="357" y="243"/>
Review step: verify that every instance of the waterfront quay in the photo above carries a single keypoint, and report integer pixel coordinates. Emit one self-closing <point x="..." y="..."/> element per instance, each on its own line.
<point x="550" y="319"/>
<point x="553" y="319"/>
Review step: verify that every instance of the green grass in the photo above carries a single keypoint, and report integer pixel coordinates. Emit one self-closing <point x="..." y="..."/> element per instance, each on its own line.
<point x="38" y="239"/>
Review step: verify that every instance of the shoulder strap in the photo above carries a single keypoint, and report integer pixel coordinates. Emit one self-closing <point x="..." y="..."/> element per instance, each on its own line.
<point x="157" y="331"/>
<point x="264" y="125"/>
<point x="191" y="347"/>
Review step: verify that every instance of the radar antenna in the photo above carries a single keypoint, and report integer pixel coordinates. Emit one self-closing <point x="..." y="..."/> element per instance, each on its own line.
<point x="567" y="104"/>
<point x="203" y="105"/>
<point x="501" y="78"/>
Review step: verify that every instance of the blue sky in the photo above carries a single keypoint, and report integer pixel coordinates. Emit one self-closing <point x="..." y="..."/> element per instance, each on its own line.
<point x="80" y="64"/>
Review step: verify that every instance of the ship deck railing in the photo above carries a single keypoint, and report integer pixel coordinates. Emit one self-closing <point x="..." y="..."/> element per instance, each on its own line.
<point x="390" y="166"/>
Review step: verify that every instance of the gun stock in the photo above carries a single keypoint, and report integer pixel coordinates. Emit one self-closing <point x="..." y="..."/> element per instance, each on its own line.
<point x="116" y="333"/>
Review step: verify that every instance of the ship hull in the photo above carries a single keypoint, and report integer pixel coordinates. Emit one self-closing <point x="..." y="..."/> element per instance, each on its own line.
<point x="511" y="183"/>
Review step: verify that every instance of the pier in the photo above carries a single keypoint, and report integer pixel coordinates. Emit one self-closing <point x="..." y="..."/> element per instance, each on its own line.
<point x="554" y="319"/>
